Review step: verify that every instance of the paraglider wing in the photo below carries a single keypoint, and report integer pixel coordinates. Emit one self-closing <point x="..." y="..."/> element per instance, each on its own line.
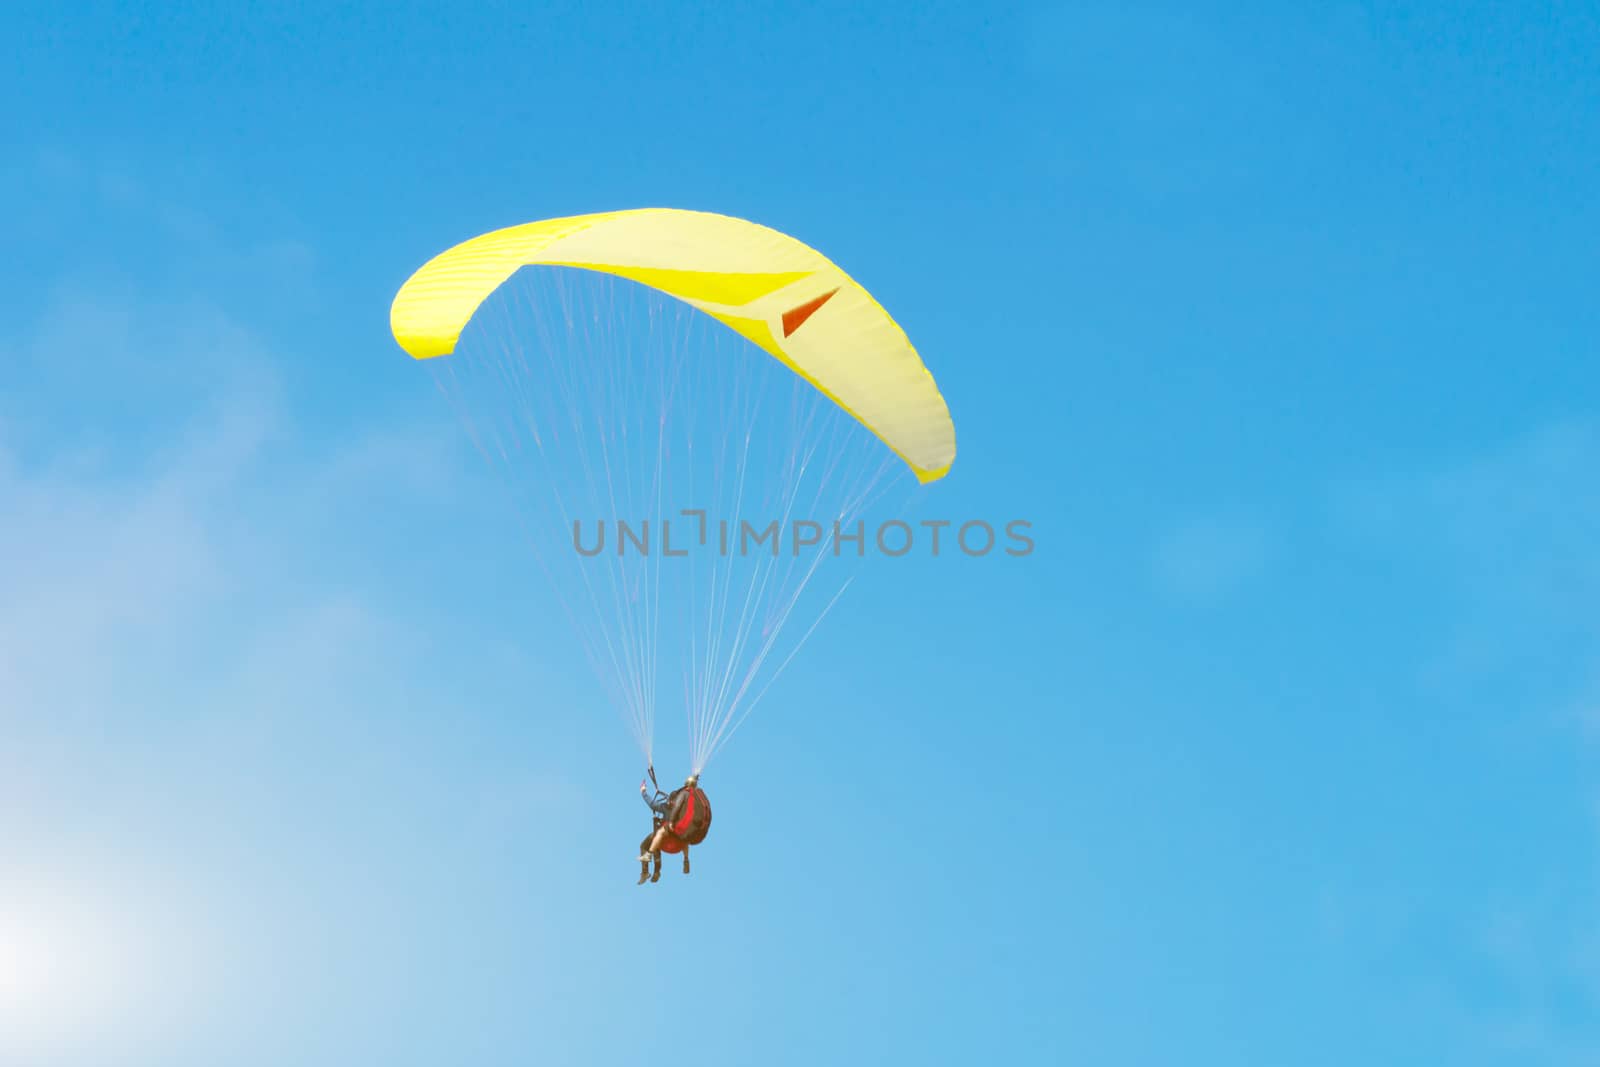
<point x="782" y="295"/>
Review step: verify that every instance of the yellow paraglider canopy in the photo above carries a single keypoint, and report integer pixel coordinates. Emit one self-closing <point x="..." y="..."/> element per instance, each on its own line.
<point x="784" y="296"/>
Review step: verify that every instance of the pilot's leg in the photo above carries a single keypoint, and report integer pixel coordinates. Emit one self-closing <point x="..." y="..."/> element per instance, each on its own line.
<point x="644" y="856"/>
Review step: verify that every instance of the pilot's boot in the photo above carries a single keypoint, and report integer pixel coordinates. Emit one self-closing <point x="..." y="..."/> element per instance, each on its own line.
<point x="656" y="877"/>
<point x="644" y="869"/>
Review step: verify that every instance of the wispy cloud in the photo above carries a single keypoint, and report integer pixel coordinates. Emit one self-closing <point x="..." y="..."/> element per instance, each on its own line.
<point x="198" y="714"/>
<point x="1508" y="544"/>
<point x="1511" y="543"/>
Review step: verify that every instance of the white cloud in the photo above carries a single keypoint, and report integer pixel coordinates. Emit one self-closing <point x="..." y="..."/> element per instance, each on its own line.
<point x="171" y="649"/>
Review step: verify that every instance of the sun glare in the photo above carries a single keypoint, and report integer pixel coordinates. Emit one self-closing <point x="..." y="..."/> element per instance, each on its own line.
<point x="64" y="966"/>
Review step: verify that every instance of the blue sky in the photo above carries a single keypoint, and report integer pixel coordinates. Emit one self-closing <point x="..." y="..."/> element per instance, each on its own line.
<point x="1276" y="320"/>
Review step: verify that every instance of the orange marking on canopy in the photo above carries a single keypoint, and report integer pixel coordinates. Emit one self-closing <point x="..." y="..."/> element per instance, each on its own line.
<point x="794" y="318"/>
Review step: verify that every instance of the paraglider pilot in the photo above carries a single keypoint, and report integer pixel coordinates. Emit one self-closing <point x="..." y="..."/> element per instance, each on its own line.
<point x="671" y="827"/>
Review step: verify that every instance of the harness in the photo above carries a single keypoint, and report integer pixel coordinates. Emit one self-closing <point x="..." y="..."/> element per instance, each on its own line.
<point x="688" y="813"/>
